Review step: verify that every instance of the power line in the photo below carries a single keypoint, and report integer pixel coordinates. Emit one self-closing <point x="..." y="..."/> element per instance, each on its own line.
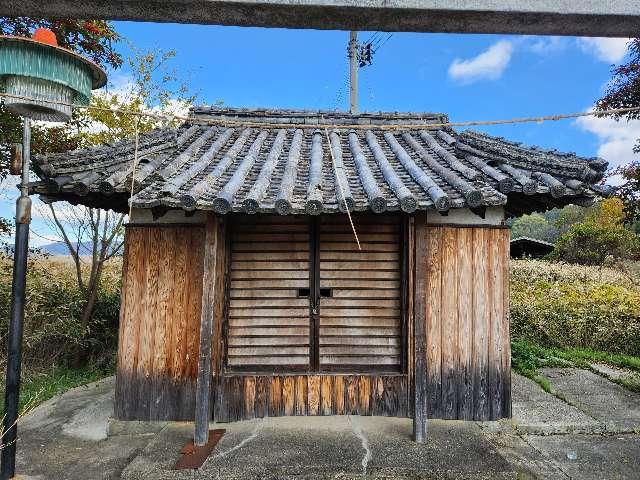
<point x="193" y="120"/>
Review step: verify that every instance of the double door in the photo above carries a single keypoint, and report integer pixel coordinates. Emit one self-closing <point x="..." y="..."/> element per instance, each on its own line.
<point x="304" y="298"/>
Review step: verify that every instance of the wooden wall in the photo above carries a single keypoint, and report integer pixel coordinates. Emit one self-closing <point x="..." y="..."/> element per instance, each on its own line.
<point x="159" y="322"/>
<point x="461" y="294"/>
<point x="457" y="293"/>
<point x="245" y="396"/>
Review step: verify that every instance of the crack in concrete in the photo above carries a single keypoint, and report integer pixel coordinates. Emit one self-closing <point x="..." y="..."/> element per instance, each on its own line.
<point x="253" y="435"/>
<point x="365" y="444"/>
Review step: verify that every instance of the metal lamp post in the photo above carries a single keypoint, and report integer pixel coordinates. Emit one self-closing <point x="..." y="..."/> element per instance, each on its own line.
<point x="40" y="81"/>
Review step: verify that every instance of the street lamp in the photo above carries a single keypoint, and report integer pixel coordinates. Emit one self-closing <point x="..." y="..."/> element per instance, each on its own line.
<point x="39" y="81"/>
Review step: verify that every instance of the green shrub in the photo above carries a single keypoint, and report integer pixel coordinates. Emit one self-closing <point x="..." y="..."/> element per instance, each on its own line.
<point x="561" y="305"/>
<point x="52" y="328"/>
<point x="590" y="243"/>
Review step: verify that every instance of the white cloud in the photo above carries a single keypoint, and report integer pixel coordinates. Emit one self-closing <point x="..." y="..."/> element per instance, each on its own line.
<point x="616" y="138"/>
<point x="545" y="45"/>
<point x="489" y="65"/>
<point x="611" y="50"/>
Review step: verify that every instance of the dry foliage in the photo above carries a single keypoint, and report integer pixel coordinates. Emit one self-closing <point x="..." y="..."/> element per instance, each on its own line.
<point x="54" y="304"/>
<point x="561" y="305"/>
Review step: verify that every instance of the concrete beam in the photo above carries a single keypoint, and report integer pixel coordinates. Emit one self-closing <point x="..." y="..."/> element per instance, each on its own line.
<point x="619" y="18"/>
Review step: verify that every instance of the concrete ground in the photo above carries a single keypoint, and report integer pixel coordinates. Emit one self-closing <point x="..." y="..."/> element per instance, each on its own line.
<point x="588" y="429"/>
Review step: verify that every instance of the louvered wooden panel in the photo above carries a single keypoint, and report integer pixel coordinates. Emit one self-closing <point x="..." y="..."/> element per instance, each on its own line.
<point x="360" y="324"/>
<point x="268" y="323"/>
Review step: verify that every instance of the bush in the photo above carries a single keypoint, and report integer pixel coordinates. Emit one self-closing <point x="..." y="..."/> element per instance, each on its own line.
<point x="52" y="314"/>
<point x="591" y="243"/>
<point x="560" y="305"/>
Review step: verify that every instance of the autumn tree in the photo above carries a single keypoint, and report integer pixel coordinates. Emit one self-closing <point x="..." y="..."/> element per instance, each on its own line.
<point x="623" y="91"/>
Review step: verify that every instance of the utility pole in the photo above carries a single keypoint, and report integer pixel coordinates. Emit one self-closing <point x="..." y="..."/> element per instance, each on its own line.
<point x="353" y="71"/>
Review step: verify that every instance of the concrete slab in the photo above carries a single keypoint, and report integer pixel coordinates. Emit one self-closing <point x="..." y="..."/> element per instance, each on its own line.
<point x="597" y="457"/>
<point x="536" y="412"/>
<point x="66" y="437"/>
<point x="329" y="447"/>
<point x="609" y="403"/>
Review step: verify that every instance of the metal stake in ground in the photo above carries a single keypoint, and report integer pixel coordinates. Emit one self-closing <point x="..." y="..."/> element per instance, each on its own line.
<point x="14" y="357"/>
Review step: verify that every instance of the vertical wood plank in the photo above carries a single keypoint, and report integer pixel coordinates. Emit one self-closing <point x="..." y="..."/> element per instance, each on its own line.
<point x="263" y="388"/>
<point x="326" y="394"/>
<point x="434" y="320"/>
<point x="481" y="318"/>
<point x="159" y="410"/>
<point x="495" y="293"/>
<point x="127" y="329"/>
<point x="275" y="397"/>
<point x="465" y="324"/>
<point x="288" y="394"/>
<point x="449" y="322"/>
<point x="219" y="305"/>
<point x="410" y="315"/>
<point x="137" y="313"/>
<point x="301" y="395"/>
<point x="423" y="263"/>
<point x="314" y="395"/>
<point x="209" y="298"/>
<point x="249" y="397"/>
<point x="352" y="403"/>
<point x="339" y="395"/>
<point x="391" y="396"/>
<point x="377" y="396"/>
<point x="237" y="399"/>
<point x="148" y="304"/>
<point x="364" y="395"/>
<point x="221" y="405"/>
<point x="505" y="235"/>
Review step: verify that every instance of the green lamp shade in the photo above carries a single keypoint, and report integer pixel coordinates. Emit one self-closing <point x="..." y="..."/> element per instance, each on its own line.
<point x="43" y="81"/>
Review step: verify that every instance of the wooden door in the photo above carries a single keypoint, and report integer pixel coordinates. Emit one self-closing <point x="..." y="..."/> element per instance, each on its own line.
<point x="268" y="317"/>
<point x="360" y="319"/>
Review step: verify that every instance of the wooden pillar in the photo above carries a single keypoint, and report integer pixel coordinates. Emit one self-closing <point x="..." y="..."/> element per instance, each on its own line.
<point x="203" y="385"/>
<point x="419" y="338"/>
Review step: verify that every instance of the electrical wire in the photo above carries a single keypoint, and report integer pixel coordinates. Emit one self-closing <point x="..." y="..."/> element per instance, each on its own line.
<point x="195" y="120"/>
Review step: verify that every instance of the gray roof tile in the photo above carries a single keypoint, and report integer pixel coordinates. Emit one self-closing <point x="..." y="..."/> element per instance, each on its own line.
<point x="287" y="167"/>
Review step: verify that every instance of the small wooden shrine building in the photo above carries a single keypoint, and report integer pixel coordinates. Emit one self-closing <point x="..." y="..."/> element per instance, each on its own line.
<point x="243" y="281"/>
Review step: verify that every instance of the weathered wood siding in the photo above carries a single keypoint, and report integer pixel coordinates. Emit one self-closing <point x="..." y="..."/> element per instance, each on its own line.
<point x="241" y="397"/>
<point x="461" y="292"/>
<point x="159" y="322"/>
<point x="360" y="319"/>
<point x="268" y="321"/>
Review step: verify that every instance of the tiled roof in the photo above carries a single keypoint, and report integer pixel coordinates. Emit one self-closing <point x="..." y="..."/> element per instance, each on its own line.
<point x="287" y="167"/>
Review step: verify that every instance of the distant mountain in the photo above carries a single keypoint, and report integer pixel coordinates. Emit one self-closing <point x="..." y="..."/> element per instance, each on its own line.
<point x="60" y="248"/>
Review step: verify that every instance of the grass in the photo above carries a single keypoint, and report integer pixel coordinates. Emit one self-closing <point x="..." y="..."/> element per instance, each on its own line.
<point x="528" y="358"/>
<point x="37" y="388"/>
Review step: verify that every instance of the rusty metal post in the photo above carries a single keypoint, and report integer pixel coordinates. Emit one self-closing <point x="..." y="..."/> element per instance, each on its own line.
<point x="14" y="357"/>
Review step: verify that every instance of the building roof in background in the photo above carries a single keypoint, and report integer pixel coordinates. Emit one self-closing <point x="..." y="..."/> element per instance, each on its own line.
<point x="283" y="161"/>
<point x="530" y="247"/>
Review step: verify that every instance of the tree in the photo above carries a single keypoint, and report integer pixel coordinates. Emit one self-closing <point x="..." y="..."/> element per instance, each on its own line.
<point x="92" y="38"/>
<point x="533" y="226"/>
<point x="623" y="91"/>
<point x="94" y="236"/>
<point x="602" y="234"/>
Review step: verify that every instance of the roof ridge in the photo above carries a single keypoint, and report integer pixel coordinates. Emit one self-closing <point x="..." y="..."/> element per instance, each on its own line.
<point x="284" y="115"/>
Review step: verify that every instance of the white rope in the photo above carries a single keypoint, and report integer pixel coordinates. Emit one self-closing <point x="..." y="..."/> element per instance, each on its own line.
<point x="133" y="169"/>
<point x="400" y="126"/>
<point x="337" y="177"/>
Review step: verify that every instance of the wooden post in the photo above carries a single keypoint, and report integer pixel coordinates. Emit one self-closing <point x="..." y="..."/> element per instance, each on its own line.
<point x="203" y="387"/>
<point x="419" y="340"/>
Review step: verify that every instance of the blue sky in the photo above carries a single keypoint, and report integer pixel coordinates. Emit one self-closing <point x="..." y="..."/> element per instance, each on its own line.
<point x="469" y="77"/>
